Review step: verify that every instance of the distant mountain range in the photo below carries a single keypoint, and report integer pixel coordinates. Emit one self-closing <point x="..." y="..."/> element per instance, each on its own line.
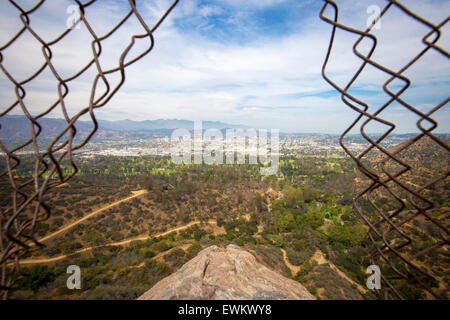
<point x="18" y="127"/>
<point x="151" y="125"/>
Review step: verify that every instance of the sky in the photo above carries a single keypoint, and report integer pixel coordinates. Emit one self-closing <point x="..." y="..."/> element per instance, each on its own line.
<point x="254" y="62"/>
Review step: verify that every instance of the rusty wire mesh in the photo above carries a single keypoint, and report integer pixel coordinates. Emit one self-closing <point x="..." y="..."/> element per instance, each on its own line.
<point x="389" y="228"/>
<point x="17" y="227"/>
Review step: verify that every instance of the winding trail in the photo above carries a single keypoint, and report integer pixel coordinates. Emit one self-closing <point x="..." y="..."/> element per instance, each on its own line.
<point x="93" y="213"/>
<point x="160" y="256"/>
<point x="119" y="243"/>
<point x="319" y="257"/>
<point x="294" y="269"/>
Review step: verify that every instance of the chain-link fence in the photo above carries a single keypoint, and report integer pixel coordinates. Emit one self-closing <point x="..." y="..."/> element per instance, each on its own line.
<point x="17" y="225"/>
<point x="389" y="227"/>
<point x="409" y="207"/>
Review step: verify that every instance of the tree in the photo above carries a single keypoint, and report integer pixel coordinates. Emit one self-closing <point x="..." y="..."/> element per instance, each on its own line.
<point x="286" y="221"/>
<point x="292" y="197"/>
<point x="258" y="202"/>
<point x="194" y="249"/>
<point x="348" y="235"/>
<point x="313" y="218"/>
<point x="198" y="234"/>
<point x="36" y="277"/>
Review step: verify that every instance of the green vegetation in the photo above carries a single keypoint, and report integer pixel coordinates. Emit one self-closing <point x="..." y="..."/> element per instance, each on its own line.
<point x="306" y="210"/>
<point x="37" y="276"/>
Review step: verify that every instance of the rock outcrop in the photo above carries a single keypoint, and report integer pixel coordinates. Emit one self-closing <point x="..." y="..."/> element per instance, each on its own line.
<point x="230" y="273"/>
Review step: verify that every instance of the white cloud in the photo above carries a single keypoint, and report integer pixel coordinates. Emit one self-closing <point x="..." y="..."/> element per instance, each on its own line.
<point x="269" y="81"/>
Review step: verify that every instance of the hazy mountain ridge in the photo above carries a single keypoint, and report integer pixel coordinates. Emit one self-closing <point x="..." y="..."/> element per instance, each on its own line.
<point x="18" y="126"/>
<point x="150" y="125"/>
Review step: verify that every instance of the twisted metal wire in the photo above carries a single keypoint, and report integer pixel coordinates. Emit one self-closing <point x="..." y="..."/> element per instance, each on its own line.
<point x="17" y="229"/>
<point x="386" y="225"/>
